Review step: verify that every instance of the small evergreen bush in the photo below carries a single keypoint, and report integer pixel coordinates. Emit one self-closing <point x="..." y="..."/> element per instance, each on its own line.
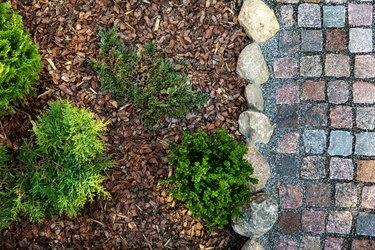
<point x="146" y="78"/>
<point x="61" y="168"/>
<point x="211" y="176"/>
<point x="20" y="62"/>
<point x="4" y="156"/>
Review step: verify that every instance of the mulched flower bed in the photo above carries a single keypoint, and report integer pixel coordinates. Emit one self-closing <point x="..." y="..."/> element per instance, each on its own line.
<point x="140" y="214"/>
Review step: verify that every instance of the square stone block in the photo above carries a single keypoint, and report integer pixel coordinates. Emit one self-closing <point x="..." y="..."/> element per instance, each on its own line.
<point x="309" y="15"/>
<point x="290" y="222"/>
<point x="313" y="167"/>
<point x="334" y="16"/>
<point x="365" y="142"/>
<point x="360" y="40"/>
<point x="364" y="66"/>
<point x="336" y="40"/>
<point x="368" y="197"/>
<point x="360" y="14"/>
<point x="311" y="243"/>
<point x="313" y="114"/>
<point x="311" y="66"/>
<point x="364" y="92"/>
<point x="288" y="143"/>
<point x="287" y="94"/>
<point x="285" y="67"/>
<point x="338" y="91"/>
<point x="313" y="90"/>
<point x="336" y="1"/>
<point x="284" y="244"/>
<point x="346" y="195"/>
<point x="363" y="244"/>
<point x="313" y="221"/>
<point x="340" y="143"/>
<point x="288" y="1"/>
<point x="287" y="116"/>
<point x="289" y="41"/>
<point x="332" y="243"/>
<point x="287" y="165"/>
<point x="341" y="117"/>
<point x="337" y="65"/>
<point x="366" y="224"/>
<point x="311" y="40"/>
<point x="290" y="196"/>
<point x="341" y="169"/>
<point x="339" y="222"/>
<point x="286" y="16"/>
<point x="365" y="118"/>
<point x="314" y="141"/>
<point x="366" y="170"/>
<point x="318" y="194"/>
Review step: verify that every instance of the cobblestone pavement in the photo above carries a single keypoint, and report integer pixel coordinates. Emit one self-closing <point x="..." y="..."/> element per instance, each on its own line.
<point x="323" y="86"/>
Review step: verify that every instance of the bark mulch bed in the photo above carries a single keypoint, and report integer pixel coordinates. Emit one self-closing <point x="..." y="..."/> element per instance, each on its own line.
<point x="140" y="214"/>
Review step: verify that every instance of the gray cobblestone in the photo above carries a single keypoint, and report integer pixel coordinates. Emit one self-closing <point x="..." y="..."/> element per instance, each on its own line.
<point x="365" y="144"/>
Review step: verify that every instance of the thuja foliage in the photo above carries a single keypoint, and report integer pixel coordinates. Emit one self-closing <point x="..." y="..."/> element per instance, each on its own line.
<point x="61" y="169"/>
<point x="4" y="156"/>
<point x="146" y="78"/>
<point x="20" y="62"/>
<point x="9" y="199"/>
<point x="211" y="176"/>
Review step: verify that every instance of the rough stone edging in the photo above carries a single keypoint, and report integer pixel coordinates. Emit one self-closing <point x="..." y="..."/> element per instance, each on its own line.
<point x="253" y="124"/>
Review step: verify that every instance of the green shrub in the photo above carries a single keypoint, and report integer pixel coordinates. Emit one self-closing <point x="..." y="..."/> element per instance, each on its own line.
<point x="61" y="168"/>
<point x="9" y="200"/>
<point x="5" y="161"/>
<point x="146" y="78"/>
<point x="20" y="62"/>
<point x="4" y="156"/>
<point x="211" y="176"/>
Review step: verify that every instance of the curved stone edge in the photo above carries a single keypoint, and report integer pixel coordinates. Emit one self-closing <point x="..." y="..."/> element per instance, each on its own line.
<point x="261" y="24"/>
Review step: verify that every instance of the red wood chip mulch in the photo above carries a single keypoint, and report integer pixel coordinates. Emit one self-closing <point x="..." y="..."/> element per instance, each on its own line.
<point x="140" y="214"/>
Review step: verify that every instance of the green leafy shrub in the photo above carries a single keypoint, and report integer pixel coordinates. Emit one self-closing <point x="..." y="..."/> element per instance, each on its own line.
<point x="20" y="62"/>
<point x="9" y="200"/>
<point x="211" y="176"/>
<point x="146" y="78"/>
<point x="61" y="167"/>
<point x="4" y="156"/>
<point x="5" y="161"/>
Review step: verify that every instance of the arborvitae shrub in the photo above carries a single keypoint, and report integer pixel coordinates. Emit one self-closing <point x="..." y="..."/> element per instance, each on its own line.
<point x="146" y="78"/>
<point x="4" y="156"/>
<point x="61" y="169"/>
<point x="20" y="62"/>
<point x="211" y="176"/>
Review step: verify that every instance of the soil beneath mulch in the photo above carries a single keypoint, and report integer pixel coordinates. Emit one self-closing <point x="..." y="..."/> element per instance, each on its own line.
<point x="204" y="33"/>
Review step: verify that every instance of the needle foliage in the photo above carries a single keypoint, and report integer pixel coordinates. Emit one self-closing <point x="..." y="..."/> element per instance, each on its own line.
<point x="146" y="78"/>
<point x="20" y="62"/>
<point x="210" y="176"/>
<point x="61" y="169"/>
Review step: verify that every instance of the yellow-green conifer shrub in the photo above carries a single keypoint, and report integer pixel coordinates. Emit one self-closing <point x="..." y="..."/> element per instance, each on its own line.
<point x="61" y="166"/>
<point x="20" y="62"/>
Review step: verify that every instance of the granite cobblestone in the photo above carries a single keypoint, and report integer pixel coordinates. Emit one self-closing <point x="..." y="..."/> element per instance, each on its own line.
<point x="324" y="78"/>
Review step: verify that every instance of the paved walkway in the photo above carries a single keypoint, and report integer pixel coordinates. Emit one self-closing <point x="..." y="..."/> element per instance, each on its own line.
<point x="324" y="145"/>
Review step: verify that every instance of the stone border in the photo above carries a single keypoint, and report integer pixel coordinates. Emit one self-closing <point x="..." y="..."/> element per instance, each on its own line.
<point x="261" y="24"/>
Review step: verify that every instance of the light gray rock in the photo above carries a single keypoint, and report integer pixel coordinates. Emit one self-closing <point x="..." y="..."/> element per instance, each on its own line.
<point x="258" y="216"/>
<point x="251" y="65"/>
<point x="365" y="142"/>
<point x="252" y="245"/>
<point x="255" y="126"/>
<point x="258" y="20"/>
<point x="262" y="170"/>
<point x="254" y="97"/>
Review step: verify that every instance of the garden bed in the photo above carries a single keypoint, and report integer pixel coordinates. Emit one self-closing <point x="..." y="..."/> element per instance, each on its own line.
<point x="205" y="34"/>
